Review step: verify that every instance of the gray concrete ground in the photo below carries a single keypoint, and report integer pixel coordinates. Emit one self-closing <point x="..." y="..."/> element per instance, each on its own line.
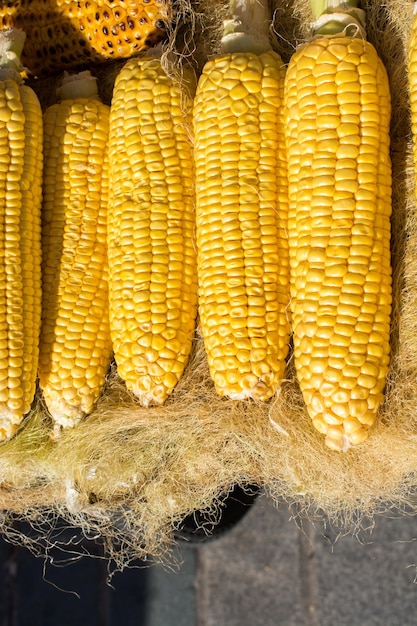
<point x="266" y="571"/>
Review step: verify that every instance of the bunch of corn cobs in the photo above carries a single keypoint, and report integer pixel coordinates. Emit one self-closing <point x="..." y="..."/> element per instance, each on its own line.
<point x="258" y="198"/>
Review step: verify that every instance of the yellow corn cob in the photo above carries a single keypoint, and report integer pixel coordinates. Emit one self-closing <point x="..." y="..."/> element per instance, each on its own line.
<point x="337" y="121"/>
<point x="152" y="273"/>
<point x="64" y="34"/>
<point x="20" y="251"/>
<point x="242" y="206"/>
<point x="75" y="348"/>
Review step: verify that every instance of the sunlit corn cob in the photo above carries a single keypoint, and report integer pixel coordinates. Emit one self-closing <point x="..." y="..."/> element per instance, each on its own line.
<point x="242" y="207"/>
<point x="69" y="33"/>
<point x="75" y="346"/>
<point x="337" y="103"/>
<point x="20" y="249"/>
<point x="152" y="265"/>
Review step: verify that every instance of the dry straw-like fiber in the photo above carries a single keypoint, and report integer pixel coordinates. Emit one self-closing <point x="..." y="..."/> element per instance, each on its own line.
<point x="130" y="475"/>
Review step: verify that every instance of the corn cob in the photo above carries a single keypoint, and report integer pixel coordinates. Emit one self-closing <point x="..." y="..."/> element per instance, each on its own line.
<point x="152" y="274"/>
<point x="63" y="34"/>
<point x="75" y="347"/>
<point x="20" y="251"/>
<point x="242" y="206"/>
<point x="337" y="105"/>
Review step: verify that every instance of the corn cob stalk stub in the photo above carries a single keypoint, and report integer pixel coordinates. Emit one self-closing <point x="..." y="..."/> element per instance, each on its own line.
<point x="337" y="129"/>
<point x="75" y="347"/>
<point x="242" y="205"/>
<point x="64" y="34"/>
<point x="20" y="251"/>
<point x="337" y="18"/>
<point x="151" y="247"/>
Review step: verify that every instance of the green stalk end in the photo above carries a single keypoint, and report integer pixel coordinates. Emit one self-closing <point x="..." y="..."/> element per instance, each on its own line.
<point x="318" y="7"/>
<point x="81" y="85"/>
<point x="11" y="46"/>
<point x="336" y="17"/>
<point x="247" y="29"/>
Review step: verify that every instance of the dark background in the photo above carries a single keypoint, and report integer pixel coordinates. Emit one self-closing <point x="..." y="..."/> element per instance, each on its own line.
<point x="268" y="570"/>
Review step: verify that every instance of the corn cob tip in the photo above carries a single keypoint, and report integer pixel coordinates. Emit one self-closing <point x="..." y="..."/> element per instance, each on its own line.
<point x="9" y="424"/>
<point x="63" y="414"/>
<point x="155" y="397"/>
<point x="260" y="390"/>
<point x="344" y="442"/>
<point x="340" y="444"/>
<point x="340" y="438"/>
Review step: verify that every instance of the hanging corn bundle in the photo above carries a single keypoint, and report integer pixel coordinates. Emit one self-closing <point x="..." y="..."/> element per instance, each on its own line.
<point x="130" y="473"/>
<point x="337" y="103"/>
<point x="152" y="274"/>
<point x="75" y="347"/>
<point x="20" y="254"/>
<point x="64" y="34"/>
<point x="242" y="206"/>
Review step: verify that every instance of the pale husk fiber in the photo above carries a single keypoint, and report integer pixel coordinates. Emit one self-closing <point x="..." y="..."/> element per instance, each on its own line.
<point x="130" y="475"/>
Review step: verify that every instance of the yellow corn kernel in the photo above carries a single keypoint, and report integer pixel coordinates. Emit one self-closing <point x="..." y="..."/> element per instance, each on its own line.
<point x="340" y="271"/>
<point x="151" y="248"/>
<point x="242" y="206"/>
<point x="75" y="347"/>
